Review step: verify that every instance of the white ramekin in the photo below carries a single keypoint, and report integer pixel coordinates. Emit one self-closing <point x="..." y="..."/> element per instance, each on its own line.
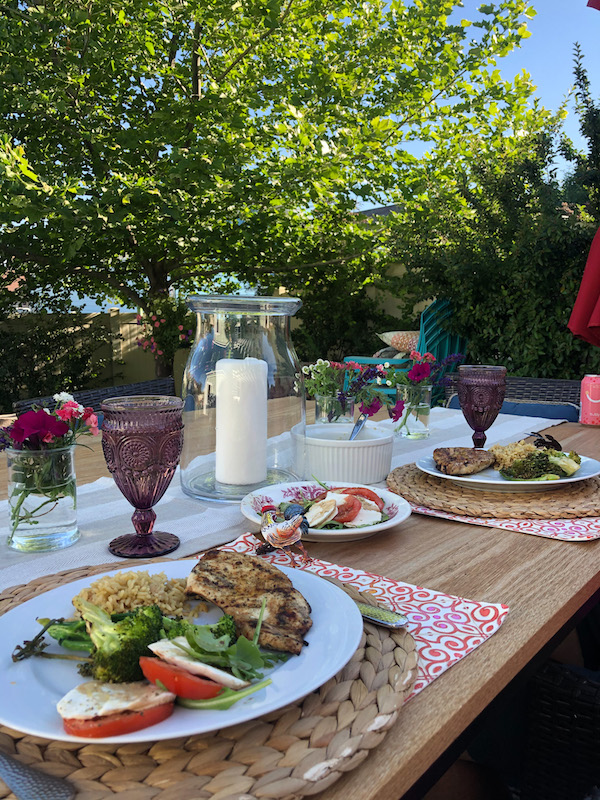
<point x="325" y="453"/>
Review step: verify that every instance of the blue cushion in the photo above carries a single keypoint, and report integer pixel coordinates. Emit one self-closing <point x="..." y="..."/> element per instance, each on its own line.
<point x="566" y="411"/>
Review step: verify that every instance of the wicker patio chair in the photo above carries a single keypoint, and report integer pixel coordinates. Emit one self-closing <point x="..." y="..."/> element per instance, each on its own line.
<point x="541" y="397"/>
<point x="562" y="756"/>
<point x="535" y="390"/>
<point x="93" y="397"/>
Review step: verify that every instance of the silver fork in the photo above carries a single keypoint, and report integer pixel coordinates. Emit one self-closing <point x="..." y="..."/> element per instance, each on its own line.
<point x="27" y="783"/>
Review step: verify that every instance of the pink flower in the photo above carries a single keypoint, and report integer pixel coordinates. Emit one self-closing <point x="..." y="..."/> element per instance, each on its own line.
<point x="92" y="422"/>
<point x="47" y="438"/>
<point x="69" y="410"/>
<point x="429" y="357"/>
<point x="419" y="373"/>
<point x="415" y="355"/>
<point x="372" y="408"/>
<point x="180" y="327"/>
<point x="138" y="319"/>
<point x="182" y="336"/>
<point x="163" y="320"/>
<point x="153" y="316"/>
<point x="160" y="352"/>
<point x="397" y="411"/>
<point x="380" y="368"/>
<point x="157" y="324"/>
<point x="352" y="365"/>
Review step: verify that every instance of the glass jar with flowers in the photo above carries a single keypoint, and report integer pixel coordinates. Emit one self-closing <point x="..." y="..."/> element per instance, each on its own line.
<point x="42" y="500"/>
<point x="414" y="388"/>
<point x="337" y="388"/>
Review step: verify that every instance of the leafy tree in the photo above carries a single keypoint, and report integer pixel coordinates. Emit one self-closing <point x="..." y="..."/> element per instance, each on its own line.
<point x="152" y="147"/>
<point x="507" y="250"/>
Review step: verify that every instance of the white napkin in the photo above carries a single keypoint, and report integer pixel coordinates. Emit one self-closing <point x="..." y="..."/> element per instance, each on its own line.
<point x="103" y="513"/>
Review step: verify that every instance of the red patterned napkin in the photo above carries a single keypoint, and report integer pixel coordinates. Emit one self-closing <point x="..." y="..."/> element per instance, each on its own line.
<point x="445" y="628"/>
<point x="583" y="529"/>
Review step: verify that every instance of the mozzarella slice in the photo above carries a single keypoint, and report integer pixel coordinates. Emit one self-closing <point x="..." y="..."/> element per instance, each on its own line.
<point x="321" y="512"/>
<point x="369" y="514"/>
<point x="97" y="699"/>
<point x="168" y="651"/>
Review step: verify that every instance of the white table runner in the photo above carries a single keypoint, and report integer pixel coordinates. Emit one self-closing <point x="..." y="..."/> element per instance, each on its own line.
<point x="103" y="512"/>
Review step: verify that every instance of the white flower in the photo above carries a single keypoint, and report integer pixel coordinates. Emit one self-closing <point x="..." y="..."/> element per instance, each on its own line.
<point x="379" y="381"/>
<point x="388" y="383"/>
<point x="320" y="361"/>
<point x="386" y="365"/>
<point x="306" y="370"/>
<point x="63" y="397"/>
<point x="47" y="410"/>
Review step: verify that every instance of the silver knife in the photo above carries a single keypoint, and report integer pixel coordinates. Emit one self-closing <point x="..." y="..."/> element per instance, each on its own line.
<point x="382" y="616"/>
<point x="27" y="783"/>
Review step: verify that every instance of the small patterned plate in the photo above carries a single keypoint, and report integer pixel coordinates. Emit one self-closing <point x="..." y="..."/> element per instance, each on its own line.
<point x="395" y="507"/>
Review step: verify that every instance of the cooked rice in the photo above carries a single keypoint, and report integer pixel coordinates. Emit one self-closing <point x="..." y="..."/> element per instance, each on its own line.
<point x="128" y="590"/>
<point x="507" y="454"/>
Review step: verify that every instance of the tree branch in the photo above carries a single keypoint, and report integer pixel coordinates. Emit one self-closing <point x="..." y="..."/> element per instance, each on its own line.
<point x="264" y="35"/>
<point x="196" y="63"/>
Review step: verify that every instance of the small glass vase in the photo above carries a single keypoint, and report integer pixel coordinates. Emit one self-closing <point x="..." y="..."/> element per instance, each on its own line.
<point x="332" y="408"/>
<point x="42" y="501"/>
<point x="414" y="423"/>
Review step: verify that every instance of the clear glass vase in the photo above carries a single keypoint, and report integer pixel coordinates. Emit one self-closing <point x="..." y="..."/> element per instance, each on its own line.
<point x="414" y="423"/>
<point x="42" y="499"/>
<point x="242" y="397"/>
<point x="332" y="408"/>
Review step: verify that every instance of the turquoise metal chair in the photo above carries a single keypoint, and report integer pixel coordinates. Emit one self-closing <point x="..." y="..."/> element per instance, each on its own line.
<point x="433" y="338"/>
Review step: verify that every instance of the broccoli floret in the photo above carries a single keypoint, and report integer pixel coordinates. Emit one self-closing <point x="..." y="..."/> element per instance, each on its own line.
<point x="174" y="627"/>
<point x="224" y="627"/>
<point x="531" y="467"/>
<point x="119" y="645"/>
<point x="569" y="464"/>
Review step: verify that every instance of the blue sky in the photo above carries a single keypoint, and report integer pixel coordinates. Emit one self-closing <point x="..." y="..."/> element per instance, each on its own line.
<point x="548" y="53"/>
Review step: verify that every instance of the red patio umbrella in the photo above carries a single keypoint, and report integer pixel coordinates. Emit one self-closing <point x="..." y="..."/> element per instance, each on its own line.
<point x="585" y="317"/>
<point x="594" y="4"/>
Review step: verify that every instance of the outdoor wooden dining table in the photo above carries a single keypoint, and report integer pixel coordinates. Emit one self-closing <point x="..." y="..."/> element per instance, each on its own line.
<point x="546" y="583"/>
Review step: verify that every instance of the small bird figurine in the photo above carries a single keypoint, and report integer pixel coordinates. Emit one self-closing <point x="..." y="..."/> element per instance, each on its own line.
<point x="283" y="534"/>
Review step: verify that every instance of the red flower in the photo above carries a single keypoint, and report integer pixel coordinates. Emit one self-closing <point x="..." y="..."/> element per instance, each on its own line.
<point x="419" y="372"/>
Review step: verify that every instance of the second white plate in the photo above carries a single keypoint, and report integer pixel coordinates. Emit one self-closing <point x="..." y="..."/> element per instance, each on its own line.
<point x="395" y="507"/>
<point x="491" y="480"/>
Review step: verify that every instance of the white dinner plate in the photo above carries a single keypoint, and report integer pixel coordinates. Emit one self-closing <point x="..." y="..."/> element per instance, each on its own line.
<point x="30" y="689"/>
<point x="491" y="480"/>
<point x="395" y="507"/>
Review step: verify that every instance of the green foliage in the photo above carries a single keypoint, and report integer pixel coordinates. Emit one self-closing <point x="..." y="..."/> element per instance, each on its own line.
<point x="155" y="146"/>
<point x="42" y="353"/>
<point x="506" y="249"/>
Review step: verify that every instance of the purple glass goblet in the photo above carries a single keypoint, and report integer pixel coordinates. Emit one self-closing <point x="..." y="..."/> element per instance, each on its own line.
<point x="142" y="439"/>
<point x="480" y="394"/>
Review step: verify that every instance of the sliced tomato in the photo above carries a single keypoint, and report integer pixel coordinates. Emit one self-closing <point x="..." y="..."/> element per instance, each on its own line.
<point x="368" y="493"/>
<point x="118" y="724"/>
<point x="348" y="510"/>
<point x="323" y="495"/>
<point x="178" y="680"/>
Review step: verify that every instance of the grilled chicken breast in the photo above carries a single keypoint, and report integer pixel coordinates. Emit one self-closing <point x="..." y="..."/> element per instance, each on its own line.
<point x="238" y="583"/>
<point x="461" y="460"/>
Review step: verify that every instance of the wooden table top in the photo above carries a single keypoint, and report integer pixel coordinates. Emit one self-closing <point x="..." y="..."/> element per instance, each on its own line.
<point x="544" y="582"/>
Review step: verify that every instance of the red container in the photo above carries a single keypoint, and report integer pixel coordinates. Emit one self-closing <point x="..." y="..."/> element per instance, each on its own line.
<point x="590" y="400"/>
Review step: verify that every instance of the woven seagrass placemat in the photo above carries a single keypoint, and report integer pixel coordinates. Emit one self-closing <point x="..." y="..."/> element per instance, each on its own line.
<point x="295" y="752"/>
<point x="572" y="501"/>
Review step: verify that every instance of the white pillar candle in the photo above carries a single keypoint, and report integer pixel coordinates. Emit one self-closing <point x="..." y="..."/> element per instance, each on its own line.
<point x="241" y="421"/>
